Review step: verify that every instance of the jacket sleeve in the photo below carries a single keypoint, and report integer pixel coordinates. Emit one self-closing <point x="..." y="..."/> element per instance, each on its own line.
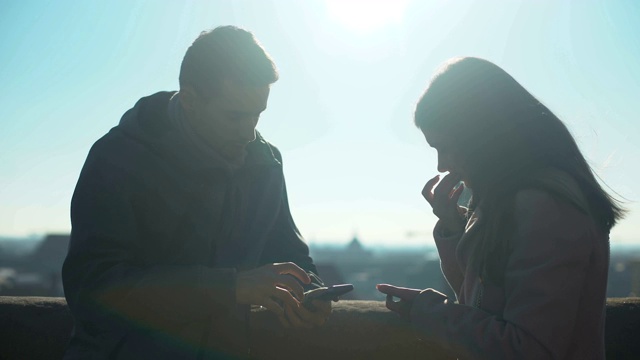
<point x="103" y="277"/>
<point x="446" y="246"/>
<point x="285" y="243"/>
<point x="544" y="276"/>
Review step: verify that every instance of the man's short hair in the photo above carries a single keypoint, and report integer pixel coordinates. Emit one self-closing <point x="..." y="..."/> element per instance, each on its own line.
<point x="226" y="53"/>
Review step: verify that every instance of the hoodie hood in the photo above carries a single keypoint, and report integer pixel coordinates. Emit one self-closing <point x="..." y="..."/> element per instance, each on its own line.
<point x="149" y="124"/>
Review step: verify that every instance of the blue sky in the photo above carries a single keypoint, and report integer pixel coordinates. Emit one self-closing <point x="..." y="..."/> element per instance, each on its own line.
<point x="351" y="72"/>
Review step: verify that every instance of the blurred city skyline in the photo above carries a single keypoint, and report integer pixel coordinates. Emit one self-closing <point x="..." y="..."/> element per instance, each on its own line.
<point x="341" y="113"/>
<point x="33" y="267"/>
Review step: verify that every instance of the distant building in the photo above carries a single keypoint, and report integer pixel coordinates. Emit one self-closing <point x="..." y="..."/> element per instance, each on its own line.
<point x="365" y="268"/>
<point x="49" y="256"/>
<point x="353" y="252"/>
<point x="38" y="273"/>
<point x="355" y="246"/>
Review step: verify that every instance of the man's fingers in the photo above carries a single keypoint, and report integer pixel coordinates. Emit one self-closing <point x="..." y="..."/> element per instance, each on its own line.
<point x="292" y="269"/>
<point x="285" y="296"/>
<point x="322" y="307"/>
<point x="317" y="316"/>
<point x="290" y="284"/>
<point x="292" y="315"/>
<point x="273" y="306"/>
<point x="283" y="320"/>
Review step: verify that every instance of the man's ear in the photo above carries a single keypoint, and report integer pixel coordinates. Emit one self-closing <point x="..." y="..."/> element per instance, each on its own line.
<point x="188" y="98"/>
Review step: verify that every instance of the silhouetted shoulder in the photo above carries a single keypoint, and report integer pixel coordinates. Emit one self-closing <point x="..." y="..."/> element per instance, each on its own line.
<point x="276" y="152"/>
<point x="549" y="217"/>
<point x="530" y="200"/>
<point x="545" y="204"/>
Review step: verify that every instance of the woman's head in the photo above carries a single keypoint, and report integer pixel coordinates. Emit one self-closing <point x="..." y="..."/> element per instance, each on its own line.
<point x="497" y="136"/>
<point x="494" y="127"/>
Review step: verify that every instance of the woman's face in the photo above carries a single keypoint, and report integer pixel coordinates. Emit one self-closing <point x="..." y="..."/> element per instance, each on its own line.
<point x="448" y="154"/>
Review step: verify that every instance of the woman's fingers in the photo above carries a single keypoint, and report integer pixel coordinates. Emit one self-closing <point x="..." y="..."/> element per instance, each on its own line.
<point x="392" y="305"/>
<point x="406" y="295"/>
<point x="402" y="307"/>
<point x="443" y="191"/>
<point x="443" y="201"/>
<point x="443" y="198"/>
<point x="386" y="289"/>
<point x="400" y="292"/>
<point x="446" y="186"/>
<point x="455" y="194"/>
<point x="427" y="190"/>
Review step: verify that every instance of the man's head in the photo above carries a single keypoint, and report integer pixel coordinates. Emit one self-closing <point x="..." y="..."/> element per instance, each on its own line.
<point x="224" y="86"/>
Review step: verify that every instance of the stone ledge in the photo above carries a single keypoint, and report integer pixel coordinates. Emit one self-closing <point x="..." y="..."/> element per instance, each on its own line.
<point x="39" y="327"/>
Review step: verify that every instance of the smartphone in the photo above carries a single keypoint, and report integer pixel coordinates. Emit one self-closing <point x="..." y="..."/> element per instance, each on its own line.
<point x="327" y="293"/>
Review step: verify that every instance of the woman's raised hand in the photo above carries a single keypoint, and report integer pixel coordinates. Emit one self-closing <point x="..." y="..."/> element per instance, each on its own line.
<point x="444" y="201"/>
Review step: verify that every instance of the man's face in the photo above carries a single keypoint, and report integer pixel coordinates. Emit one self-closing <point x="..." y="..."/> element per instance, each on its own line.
<point x="227" y="120"/>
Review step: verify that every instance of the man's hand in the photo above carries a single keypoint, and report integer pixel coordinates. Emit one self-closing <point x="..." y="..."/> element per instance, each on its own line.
<point x="272" y="286"/>
<point x="307" y="317"/>
<point x="406" y="295"/>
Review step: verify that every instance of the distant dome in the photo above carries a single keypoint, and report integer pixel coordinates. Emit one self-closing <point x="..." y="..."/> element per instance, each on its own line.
<point x="355" y="245"/>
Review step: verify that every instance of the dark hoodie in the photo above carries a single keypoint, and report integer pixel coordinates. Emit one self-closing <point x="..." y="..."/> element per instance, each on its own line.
<point x="159" y="230"/>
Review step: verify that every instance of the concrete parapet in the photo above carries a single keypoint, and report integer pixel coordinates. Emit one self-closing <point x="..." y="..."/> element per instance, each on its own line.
<point x="38" y="328"/>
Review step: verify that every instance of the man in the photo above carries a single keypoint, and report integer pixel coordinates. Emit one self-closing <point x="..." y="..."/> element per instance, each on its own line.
<point x="180" y="218"/>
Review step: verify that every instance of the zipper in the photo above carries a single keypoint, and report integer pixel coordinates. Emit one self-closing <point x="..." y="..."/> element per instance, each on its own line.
<point x="479" y="294"/>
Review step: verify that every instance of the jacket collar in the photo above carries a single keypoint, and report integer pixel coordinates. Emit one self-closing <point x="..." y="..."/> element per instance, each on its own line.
<point x="259" y="152"/>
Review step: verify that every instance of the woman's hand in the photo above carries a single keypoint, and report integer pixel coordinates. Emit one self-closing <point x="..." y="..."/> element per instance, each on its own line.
<point x="409" y="297"/>
<point x="444" y="201"/>
<point x="406" y="295"/>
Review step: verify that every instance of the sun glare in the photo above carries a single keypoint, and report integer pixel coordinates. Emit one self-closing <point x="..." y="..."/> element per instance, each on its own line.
<point x="367" y="15"/>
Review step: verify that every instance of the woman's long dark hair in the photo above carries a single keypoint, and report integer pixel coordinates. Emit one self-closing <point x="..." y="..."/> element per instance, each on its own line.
<point x="508" y="140"/>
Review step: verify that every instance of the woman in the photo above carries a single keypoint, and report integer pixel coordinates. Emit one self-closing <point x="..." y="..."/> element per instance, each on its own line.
<point x="528" y="256"/>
